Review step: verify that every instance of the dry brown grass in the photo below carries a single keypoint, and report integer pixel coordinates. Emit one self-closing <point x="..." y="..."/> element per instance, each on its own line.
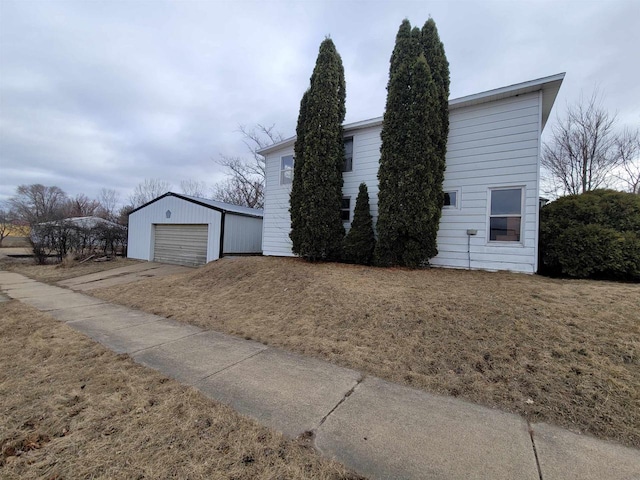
<point x="72" y="409"/>
<point x="57" y="272"/>
<point x="560" y="351"/>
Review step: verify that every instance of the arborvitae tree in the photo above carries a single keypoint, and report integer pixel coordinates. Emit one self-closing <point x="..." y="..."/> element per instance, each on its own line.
<point x="360" y="241"/>
<point x="316" y="226"/>
<point x="433" y="50"/>
<point x="297" y="205"/>
<point x="410" y="175"/>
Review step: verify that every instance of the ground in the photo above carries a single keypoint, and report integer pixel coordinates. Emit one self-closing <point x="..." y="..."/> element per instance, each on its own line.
<point x="72" y="409"/>
<point x="559" y="351"/>
<point x="565" y="352"/>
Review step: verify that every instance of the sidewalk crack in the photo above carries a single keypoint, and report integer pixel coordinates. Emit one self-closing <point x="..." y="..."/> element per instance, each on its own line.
<point x="342" y="400"/>
<point x="232" y="365"/>
<point x="535" y="451"/>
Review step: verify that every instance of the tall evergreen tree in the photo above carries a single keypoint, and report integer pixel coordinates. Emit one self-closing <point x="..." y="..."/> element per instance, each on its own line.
<point x="316" y="195"/>
<point x="433" y="50"/>
<point x="410" y="175"/>
<point x="360" y="241"/>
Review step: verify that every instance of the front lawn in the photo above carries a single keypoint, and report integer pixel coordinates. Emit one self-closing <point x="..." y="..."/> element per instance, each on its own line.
<point x="560" y="351"/>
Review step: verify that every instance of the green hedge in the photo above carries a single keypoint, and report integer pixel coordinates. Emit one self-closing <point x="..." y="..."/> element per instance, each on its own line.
<point x="592" y="235"/>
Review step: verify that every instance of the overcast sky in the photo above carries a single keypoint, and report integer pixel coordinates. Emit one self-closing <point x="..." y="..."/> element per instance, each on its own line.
<point x="100" y="94"/>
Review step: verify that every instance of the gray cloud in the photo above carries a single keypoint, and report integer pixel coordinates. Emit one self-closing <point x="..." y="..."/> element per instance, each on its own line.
<point x="105" y="94"/>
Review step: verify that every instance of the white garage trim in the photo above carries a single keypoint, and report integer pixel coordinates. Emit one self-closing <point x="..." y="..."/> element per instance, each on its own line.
<point x="181" y="244"/>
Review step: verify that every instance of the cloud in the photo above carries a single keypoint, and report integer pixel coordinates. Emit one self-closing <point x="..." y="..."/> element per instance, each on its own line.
<point x="105" y="94"/>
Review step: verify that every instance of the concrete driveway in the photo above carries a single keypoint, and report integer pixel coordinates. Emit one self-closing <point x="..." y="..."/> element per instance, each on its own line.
<point x="122" y="275"/>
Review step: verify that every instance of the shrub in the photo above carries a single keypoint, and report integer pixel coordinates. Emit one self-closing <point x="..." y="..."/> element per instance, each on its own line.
<point x="360" y="241"/>
<point x="592" y="235"/>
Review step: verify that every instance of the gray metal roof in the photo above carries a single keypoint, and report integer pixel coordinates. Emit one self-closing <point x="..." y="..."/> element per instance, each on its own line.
<point x="205" y="202"/>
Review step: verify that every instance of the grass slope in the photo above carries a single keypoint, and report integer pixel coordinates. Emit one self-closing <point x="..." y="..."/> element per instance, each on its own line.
<point x="565" y="352"/>
<point x="72" y="409"/>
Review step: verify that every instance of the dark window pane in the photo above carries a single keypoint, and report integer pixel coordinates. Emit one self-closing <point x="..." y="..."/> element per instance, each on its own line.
<point x="506" y="202"/>
<point x="345" y="212"/>
<point x="505" y="229"/>
<point x="450" y="199"/>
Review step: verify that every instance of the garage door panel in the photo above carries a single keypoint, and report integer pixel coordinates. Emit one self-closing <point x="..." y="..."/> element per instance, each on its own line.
<point x="181" y="244"/>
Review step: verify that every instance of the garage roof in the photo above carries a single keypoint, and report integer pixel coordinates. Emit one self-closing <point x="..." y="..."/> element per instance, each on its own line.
<point x="212" y="204"/>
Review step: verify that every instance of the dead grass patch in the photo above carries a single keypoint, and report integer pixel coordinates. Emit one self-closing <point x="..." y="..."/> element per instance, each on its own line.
<point x="560" y="351"/>
<point x="72" y="409"/>
<point x="68" y="268"/>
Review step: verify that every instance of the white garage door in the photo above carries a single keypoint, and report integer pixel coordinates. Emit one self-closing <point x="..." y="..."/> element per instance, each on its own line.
<point x="181" y="244"/>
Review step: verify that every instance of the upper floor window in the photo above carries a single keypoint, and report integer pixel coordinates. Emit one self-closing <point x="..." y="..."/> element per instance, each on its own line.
<point x="286" y="170"/>
<point x="348" y="155"/>
<point x="345" y="209"/>
<point x="505" y="215"/>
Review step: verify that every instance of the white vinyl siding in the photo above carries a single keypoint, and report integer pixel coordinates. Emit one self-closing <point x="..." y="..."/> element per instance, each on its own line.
<point x="491" y="145"/>
<point x="180" y="244"/>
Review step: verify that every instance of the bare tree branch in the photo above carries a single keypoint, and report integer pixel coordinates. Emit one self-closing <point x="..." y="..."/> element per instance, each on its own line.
<point x="583" y="153"/>
<point x="148" y="190"/>
<point x="628" y="145"/>
<point x="37" y="203"/>
<point x="245" y="182"/>
<point x="194" y="188"/>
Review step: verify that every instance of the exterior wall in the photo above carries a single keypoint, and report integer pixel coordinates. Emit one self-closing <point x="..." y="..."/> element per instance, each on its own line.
<point x="242" y="234"/>
<point x="277" y="222"/>
<point x="491" y="145"/>
<point x="494" y="144"/>
<point x="141" y="225"/>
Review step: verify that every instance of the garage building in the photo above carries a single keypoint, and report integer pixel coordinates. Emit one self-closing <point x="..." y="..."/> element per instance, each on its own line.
<point x="185" y="230"/>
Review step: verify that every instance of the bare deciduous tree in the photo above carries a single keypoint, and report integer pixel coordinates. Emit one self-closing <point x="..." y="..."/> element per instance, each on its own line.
<point x="5" y="223"/>
<point x="628" y="145"/>
<point x="109" y="200"/>
<point x="37" y="203"/>
<point x="148" y="190"/>
<point x="81" y="206"/>
<point x="582" y="153"/>
<point x="193" y="188"/>
<point x="245" y="182"/>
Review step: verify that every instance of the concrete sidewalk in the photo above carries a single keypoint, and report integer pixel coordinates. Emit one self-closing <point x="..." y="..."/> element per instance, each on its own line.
<point x="381" y="430"/>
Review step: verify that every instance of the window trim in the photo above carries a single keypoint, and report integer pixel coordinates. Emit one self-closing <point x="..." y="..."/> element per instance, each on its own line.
<point x="518" y="243"/>
<point x="283" y="170"/>
<point x="348" y="210"/>
<point x="352" y="149"/>
<point x="457" y="204"/>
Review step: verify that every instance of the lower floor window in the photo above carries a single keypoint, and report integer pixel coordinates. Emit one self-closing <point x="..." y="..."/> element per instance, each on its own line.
<point x="505" y="214"/>
<point x="345" y="209"/>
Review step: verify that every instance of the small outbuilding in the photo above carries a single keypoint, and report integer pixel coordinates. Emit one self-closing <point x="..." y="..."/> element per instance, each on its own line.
<point x="185" y="230"/>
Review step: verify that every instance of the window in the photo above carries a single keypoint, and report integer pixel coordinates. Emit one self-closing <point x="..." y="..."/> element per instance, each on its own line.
<point x="451" y="199"/>
<point x="345" y="209"/>
<point x="505" y="218"/>
<point x="348" y="155"/>
<point x="286" y="170"/>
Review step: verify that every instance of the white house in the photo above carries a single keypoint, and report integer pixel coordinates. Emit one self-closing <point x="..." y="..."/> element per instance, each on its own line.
<point x="186" y="230"/>
<point x="492" y="178"/>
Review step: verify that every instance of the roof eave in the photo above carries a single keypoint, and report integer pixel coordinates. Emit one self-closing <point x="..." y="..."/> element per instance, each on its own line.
<point x="548" y="85"/>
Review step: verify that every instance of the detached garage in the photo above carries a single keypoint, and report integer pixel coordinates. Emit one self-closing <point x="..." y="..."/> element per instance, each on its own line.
<point x="192" y="231"/>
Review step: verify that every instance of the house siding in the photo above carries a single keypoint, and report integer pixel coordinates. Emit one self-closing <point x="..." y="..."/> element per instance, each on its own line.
<point x="494" y="144"/>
